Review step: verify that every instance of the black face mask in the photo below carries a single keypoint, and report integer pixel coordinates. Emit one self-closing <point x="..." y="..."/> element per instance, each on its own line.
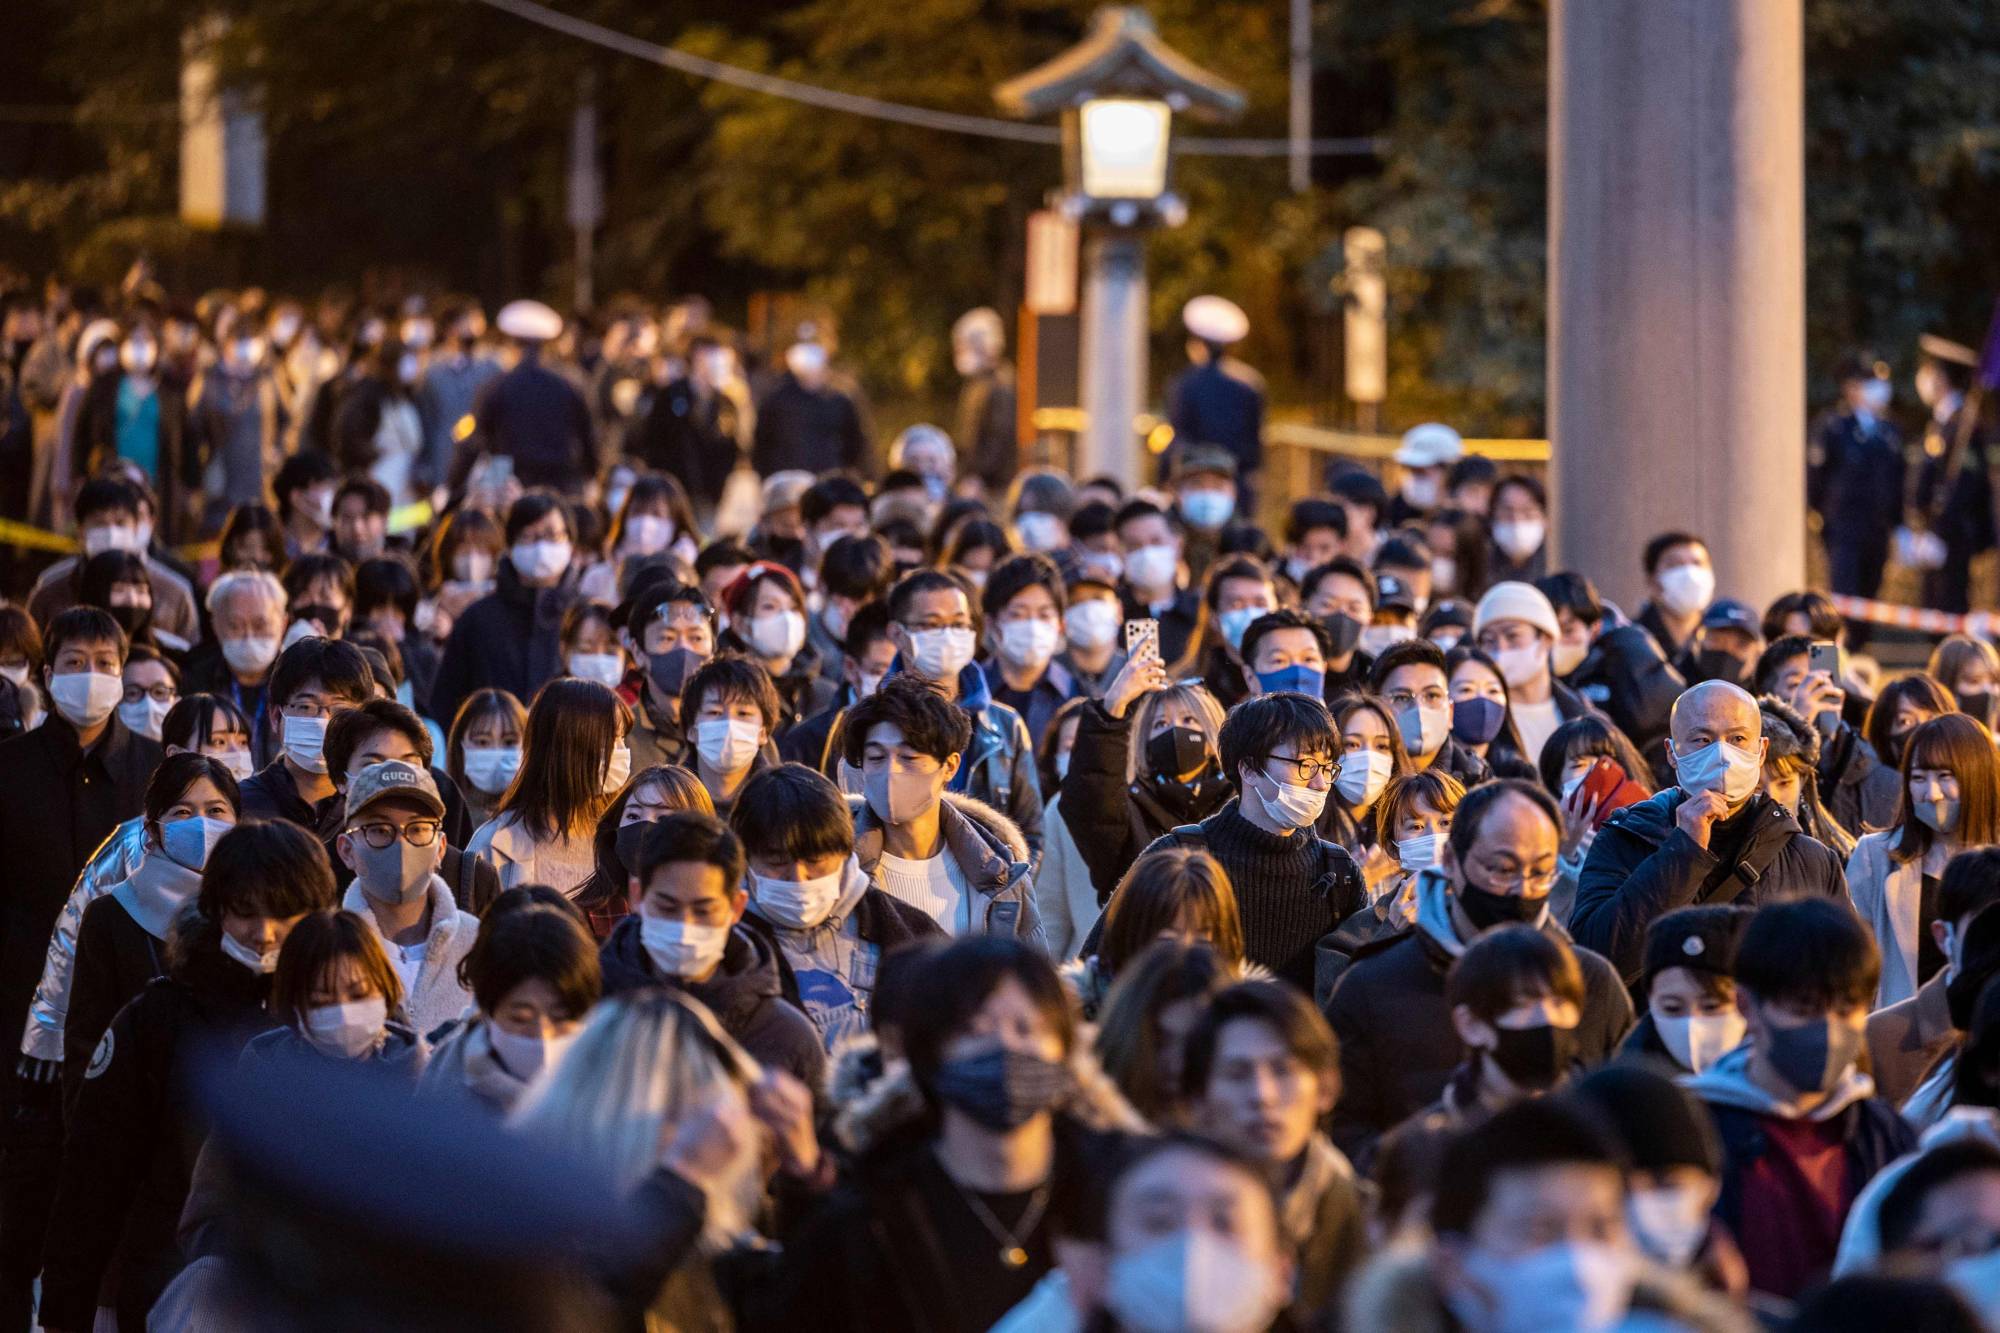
<point x="1344" y="630"/>
<point x="1812" y="1056"/>
<point x="327" y="617"/>
<point x="627" y="843"/>
<point x="1177" y="750"/>
<point x="1189" y="802"/>
<point x="1487" y="910"/>
<point x="1715" y="664"/>
<point x="1976" y="704"/>
<point x="131" y="619"/>
<point x="670" y="670"/>
<point x="1534" y="1059"/>
<point x="1001" y="1089"/>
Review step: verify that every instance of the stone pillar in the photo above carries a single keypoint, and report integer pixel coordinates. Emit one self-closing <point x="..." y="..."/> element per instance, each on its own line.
<point x="1113" y="381"/>
<point x="1677" y="287"/>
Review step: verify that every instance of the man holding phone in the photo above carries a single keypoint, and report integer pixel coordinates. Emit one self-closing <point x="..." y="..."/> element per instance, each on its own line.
<point x="1713" y="838"/>
<point x="1860" y="790"/>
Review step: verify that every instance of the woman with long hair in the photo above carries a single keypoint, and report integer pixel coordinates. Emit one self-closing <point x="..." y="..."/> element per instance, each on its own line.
<point x="1791" y="774"/>
<point x="650" y="795"/>
<point x="484" y="751"/>
<point x="339" y="998"/>
<point x="1173" y="893"/>
<point x="766" y="605"/>
<point x="1950" y="803"/>
<point x="1904" y="704"/>
<point x="544" y="828"/>
<point x="1147" y="1018"/>
<point x="1371" y="757"/>
<point x="1482" y="717"/>
<point x="1970" y="669"/>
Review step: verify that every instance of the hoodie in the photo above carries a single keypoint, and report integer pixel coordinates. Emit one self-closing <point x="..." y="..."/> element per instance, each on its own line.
<point x="998" y="766"/>
<point x="1790" y="1178"/>
<point x="1397" y="1043"/>
<point x="745" y="995"/>
<point x="828" y="971"/>
<point x="434" y="995"/>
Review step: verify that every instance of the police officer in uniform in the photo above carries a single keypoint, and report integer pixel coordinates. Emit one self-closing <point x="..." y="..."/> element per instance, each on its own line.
<point x="1854" y="481"/>
<point x="1952" y="502"/>
<point x="1218" y="400"/>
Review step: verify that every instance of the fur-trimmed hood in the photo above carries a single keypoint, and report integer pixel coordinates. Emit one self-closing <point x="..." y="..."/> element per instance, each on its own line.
<point x="1397" y="1294"/>
<point x="874" y="1100"/>
<point x="991" y="853"/>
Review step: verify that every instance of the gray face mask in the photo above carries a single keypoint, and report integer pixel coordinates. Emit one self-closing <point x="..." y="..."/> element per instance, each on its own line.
<point x="398" y="873"/>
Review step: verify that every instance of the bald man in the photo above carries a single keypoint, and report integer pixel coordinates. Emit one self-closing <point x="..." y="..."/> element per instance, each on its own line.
<point x="1712" y="838"/>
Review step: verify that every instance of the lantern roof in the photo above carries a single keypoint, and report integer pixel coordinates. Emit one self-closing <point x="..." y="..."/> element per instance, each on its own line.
<point x="1121" y="54"/>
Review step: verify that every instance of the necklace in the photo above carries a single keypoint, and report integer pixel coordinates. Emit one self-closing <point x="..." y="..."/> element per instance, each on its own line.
<point x="1012" y="1253"/>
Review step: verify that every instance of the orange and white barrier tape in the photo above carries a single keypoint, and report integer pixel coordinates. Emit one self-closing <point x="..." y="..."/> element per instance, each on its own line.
<point x="1978" y="624"/>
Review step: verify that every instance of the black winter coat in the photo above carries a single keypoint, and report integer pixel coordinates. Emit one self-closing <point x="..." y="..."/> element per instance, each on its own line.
<point x="135" y="1131"/>
<point x="537" y="418"/>
<point x="808" y="430"/>
<point x="1642" y="866"/>
<point x="746" y="995"/>
<point x="1628" y="679"/>
<point x="508" y="639"/>
<point x="1397" y="1043"/>
<point x="1862" y="792"/>
<point x="1111" y="820"/>
<point x="57" y="803"/>
<point x="115" y="960"/>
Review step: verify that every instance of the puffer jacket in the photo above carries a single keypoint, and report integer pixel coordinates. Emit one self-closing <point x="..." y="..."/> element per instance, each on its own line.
<point x="998" y="766"/>
<point x="114" y="862"/>
<point x="437" y="996"/>
<point x="991" y="852"/>
<point x="1860" y="790"/>
<point x="1399" y="1293"/>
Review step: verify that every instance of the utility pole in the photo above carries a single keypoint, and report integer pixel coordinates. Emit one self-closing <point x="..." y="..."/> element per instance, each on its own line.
<point x="1301" y="110"/>
<point x="586" y="187"/>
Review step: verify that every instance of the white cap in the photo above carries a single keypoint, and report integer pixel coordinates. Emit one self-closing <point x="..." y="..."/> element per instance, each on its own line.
<point x="97" y="331"/>
<point x="530" y="321"/>
<point x="1516" y="601"/>
<point x="1430" y="445"/>
<point x="1215" y="319"/>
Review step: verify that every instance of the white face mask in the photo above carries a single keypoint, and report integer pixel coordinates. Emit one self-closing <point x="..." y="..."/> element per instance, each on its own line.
<point x="17" y="674"/>
<point x="1720" y="767"/>
<point x="1291" y="805"/>
<point x="540" y="561"/>
<point x="237" y="762"/>
<point x="1152" y="568"/>
<point x="249" y="656"/>
<point x="682" y="948"/>
<point x="472" y="566"/>
<point x="776" y="635"/>
<point x="941" y="654"/>
<point x="1029" y="643"/>
<point x="1041" y="532"/>
<point x="1699" y="1040"/>
<point x="1567" y="657"/>
<point x="1237" y="621"/>
<point x="1193" y="1282"/>
<point x="262" y="963"/>
<point x="347" y="1031"/>
<point x="647" y="534"/>
<point x="1419" y="853"/>
<point x="144" y="715"/>
<point x="1670" y="1223"/>
<point x="1571" y="1285"/>
<point x="86" y="698"/>
<point x="1363" y="775"/>
<point x="1520" y="666"/>
<point x="1424" y="729"/>
<point x="618" y="770"/>
<point x="1422" y="489"/>
<point x="1379" y="639"/>
<point x="1687" y="589"/>
<point x="1520" y="538"/>
<point x="607" y="669"/>
<point x="111" y="537"/>
<point x="525" y="1057"/>
<point x="799" y="904"/>
<point x="1091" y="624"/>
<point x="305" y="743"/>
<point x="728" y="744"/>
<point x="491" y="768"/>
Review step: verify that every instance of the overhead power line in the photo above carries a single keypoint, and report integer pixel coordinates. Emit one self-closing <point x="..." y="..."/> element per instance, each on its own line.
<point x="951" y="122"/>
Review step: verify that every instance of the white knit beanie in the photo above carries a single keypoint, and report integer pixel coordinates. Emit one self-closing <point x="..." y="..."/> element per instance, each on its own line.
<point x="1516" y="601"/>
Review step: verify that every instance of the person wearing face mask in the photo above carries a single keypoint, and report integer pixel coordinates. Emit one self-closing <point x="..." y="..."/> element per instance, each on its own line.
<point x="946" y="1223"/>
<point x="128" y="1155"/>
<point x="235" y="423"/>
<point x="1412" y="820"/>
<point x="123" y="416"/>
<point x="1371" y="757"/>
<point x="1152" y="542"/>
<point x="1801" y="1127"/>
<point x="393" y="840"/>
<point x="1315" y="532"/>
<point x="729" y="710"/>
<point x="1951" y="803"/>
<point x="1398" y="1044"/>
<point x="246" y="609"/>
<point x="766" y="610"/>
<point x="604" y="898"/>
<point x="827" y="924"/>
<point x="1713" y="837"/>
<point x="1237" y="591"/>
<point x="378" y="433"/>
<point x="1689" y="989"/>
<point x="510" y="639"/>
<point x="534" y="976"/>
<point x="1218" y="401"/>
<point x="1615" y="665"/>
<point x="1413" y="678"/>
<point x="1855" y="477"/>
<point x="955" y="859"/>
<point x="935" y="627"/>
<point x="483" y="751"/>
<point x="590" y="647"/>
<point x="1205" y="498"/>
<point x="112" y="514"/>
<point x="854" y="570"/>
<point x="810" y="420"/>
<point x="1024" y="606"/>
<point x="686" y="932"/>
<point x="984" y="424"/>
<point x="1969" y="668"/>
<point x="1516" y="997"/>
<point x="152" y="688"/>
<point x="1950" y="501"/>
<point x="1293" y="885"/>
<point x="1915" y="1043"/>
<point x="1792" y="778"/>
<point x="1520" y="522"/>
<point x="311" y="681"/>
<point x="448" y="390"/>
<point x="574" y="762"/>
<point x="1093" y="635"/>
<point x="339" y="998"/>
<point x="389" y="600"/>
<point x="1861" y="792"/>
<point x="532" y="413"/>
<point x="1341" y="595"/>
<point x="697" y="427"/>
<point x="1423" y="458"/>
<point x="1516" y="626"/>
<point x="1680" y="583"/>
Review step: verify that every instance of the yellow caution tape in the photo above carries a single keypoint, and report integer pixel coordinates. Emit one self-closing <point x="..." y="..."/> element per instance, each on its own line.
<point x="410" y="516"/>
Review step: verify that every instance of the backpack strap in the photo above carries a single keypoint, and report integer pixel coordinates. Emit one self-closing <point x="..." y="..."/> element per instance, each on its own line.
<point x="1191" y="836"/>
<point x="1747" y="873"/>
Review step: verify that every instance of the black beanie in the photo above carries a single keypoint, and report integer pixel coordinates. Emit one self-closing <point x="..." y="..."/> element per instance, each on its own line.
<point x="1661" y="1123"/>
<point x="1702" y="939"/>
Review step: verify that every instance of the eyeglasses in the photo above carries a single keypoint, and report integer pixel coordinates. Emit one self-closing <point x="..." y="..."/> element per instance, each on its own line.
<point x="163" y="693"/>
<point x="418" y="833"/>
<point x="1309" y="768"/>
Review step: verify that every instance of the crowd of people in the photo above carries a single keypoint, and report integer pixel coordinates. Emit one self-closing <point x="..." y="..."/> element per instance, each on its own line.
<point x="592" y="841"/>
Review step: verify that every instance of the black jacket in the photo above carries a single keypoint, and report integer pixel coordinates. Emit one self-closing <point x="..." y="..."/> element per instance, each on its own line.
<point x="745" y="995"/>
<point x="1643" y="866"/>
<point x="508" y="639"/>
<point x="57" y="803"/>
<point x="115" y="960"/>
<point x="1628" y="679"/>
<point x="1397" y="1043"/>
<point x="1112" y="820"/>
<point x="135" y="1131"/>
<point x="692" y="437"/>
<point x="536" y="417"/>
<point x="273" y="793"/>
<point x="1862" y="792"/>
<point x="1461" y="764"/>
<point x="808" y="430"/>
<point x="1854" y="478"/>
